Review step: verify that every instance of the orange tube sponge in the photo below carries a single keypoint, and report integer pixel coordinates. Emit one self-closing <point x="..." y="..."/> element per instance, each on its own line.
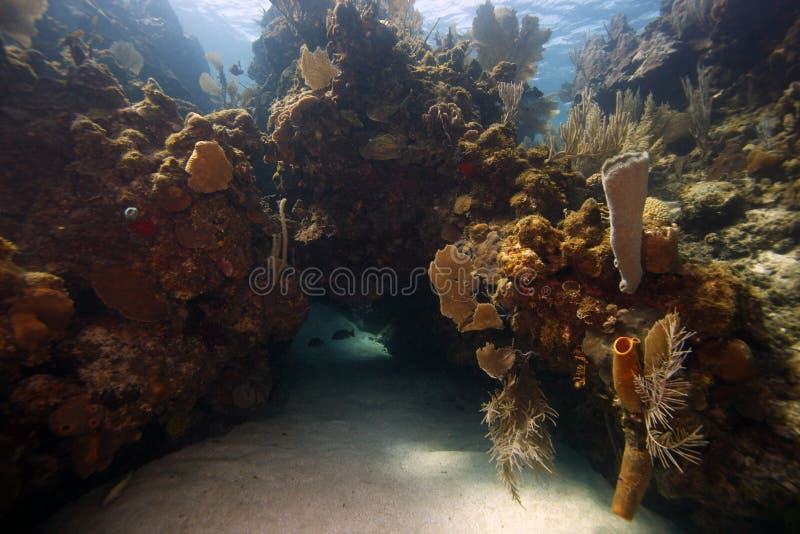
<point x="625" y="369"/>
<point x="634" y="476"/>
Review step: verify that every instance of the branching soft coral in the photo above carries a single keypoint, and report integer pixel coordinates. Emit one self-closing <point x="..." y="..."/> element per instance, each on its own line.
<point x="664" y="392"/>
<point x="517" y="417"/>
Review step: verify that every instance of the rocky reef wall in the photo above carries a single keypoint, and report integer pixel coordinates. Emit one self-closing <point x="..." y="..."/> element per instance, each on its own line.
<point x="728" y="36"/>
<point x="171" y="57"/>
<point x="727" y="188"/>
<point x="125" y="274"/>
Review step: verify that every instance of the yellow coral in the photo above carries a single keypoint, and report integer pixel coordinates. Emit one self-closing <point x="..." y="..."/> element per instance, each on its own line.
<point x="451" y="275"/>
<point x="209" y="170"/>
<point x="656" y="212"/>
<point x="316" y="67"/>
<point x="462" y="204"/>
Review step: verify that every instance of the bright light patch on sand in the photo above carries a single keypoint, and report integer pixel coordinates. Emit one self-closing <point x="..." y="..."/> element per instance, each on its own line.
<point x="354" y="445"/>
<point x="322" y="323"/>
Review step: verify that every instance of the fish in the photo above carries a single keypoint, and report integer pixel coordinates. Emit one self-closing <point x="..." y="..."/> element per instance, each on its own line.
<point x="343" y="334"/>
<point x="236" y="69"/>
<point x="315" y="342"/>
<point x="115" y="492"/>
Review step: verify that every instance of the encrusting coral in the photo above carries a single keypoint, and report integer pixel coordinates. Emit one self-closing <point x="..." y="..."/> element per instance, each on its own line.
<point x="37" y="306"/>
<point x="131" y="292"/>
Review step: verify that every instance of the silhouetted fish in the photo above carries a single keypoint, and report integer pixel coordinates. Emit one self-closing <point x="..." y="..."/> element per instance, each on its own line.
<point x="342" y="334"/>
<point x="315" y="342"/>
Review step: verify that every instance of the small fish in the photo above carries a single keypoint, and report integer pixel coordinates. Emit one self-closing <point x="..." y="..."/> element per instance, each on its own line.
<point x="117" y="490"/>
<point x="236" y="69"/>
<point x="315" y="342"/>
<point x="343" y="334"/>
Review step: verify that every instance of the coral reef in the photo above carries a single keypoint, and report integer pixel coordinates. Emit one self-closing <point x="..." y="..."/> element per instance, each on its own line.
<point x="667" y="50"/>
<point x="387" y="153"/>
<point x="149" y="308"/>
<point x="351" y="160"/>
<point x="727" y="185"/>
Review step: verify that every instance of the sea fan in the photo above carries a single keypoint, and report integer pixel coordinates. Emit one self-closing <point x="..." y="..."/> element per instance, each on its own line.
<point x="127" y="56"/>
<point x="517" y="417"/>
<point x="663" y="393"/>
<point x="208" y="85"/>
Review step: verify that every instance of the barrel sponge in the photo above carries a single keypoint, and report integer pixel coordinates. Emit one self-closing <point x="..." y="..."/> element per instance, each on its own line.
<point x="625" y="186"/>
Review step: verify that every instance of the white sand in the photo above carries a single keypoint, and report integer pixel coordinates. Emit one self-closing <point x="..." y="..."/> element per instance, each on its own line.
<point x="357" y="443"/>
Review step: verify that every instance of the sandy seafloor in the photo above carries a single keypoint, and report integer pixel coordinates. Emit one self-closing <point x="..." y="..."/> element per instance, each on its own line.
<point x="353" y="442"/>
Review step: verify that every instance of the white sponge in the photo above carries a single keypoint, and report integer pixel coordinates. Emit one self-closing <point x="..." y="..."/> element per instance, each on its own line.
<point x="625" y="185"/>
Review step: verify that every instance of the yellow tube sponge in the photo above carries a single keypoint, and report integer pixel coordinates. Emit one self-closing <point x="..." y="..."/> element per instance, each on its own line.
<point x="625" y="370"/>
<point x="632" y="482"/>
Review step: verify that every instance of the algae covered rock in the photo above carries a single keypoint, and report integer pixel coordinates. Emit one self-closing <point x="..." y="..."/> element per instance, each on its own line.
<point x="382" y="147"/>
<point x="709" y="205"/>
